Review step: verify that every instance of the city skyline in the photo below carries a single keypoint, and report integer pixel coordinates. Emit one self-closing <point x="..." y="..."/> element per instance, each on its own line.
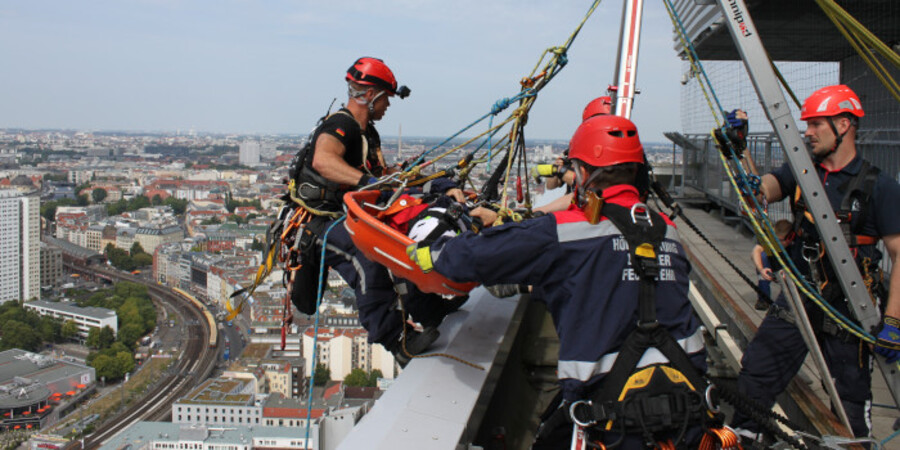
<point x="274" y="68"/>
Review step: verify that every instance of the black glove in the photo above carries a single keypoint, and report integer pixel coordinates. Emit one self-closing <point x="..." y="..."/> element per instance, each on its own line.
<point x="734" y="132"/>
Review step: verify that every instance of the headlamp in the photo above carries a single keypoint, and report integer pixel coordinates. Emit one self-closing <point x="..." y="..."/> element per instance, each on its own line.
<point x="403" y="92"/>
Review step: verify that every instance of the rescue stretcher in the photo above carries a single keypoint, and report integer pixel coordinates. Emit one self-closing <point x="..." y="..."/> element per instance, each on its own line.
<point x="387" y="246"/>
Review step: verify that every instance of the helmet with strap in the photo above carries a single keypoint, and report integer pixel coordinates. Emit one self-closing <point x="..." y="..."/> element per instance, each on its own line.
<point x="603" y="141"/>
<point x="374" y="72"/>
<point x="831" y="101"/>
<point x="606" y="141"/>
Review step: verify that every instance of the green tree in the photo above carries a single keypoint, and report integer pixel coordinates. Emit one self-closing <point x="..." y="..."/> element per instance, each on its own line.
<point x="138" y="202"/>
<point x="142" y="260"/>
<point x="48" y="210"/>
<point x="106" y="367"/>
<point x="93" y="338"/>
<point x="69" y="329"/>
<point x="106" y="337"/>
<point x="374" y="376"/>
<point x="136" y="248"/>
<point x="130" y="334"/>
<point x="119" y="258"/>
<point x="178" y="205"/>
<point x="50" y="329"/>
<point x="211" y="221"/>
<point x="322" y="375"/>
<point x="124" y="362"/>
<point x="98" y="194"/>
<point x="257" y="245"/>
<point x="20" y="335"/>
<point x="156" y="200"/>
<point x="356" y="377"/>
<point x="61" y="177"/>
<point x="82" y="200"/>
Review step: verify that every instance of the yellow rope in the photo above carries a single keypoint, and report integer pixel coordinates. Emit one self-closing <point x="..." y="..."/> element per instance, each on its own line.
<point x="535" y="81"/>
<point x="862" y="40"/>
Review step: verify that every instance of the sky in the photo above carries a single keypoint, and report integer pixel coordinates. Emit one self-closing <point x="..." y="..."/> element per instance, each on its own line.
<point x="274" y="66"/>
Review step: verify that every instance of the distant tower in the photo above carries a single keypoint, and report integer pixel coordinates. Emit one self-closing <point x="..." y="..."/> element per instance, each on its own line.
<point x="248" y="154"/>
<point x="20" y="245"/>
<point x="400" y="143"/>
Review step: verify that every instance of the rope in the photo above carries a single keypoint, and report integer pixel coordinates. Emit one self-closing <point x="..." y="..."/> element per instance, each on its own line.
<point x="863" y="41"/>
<point x="892" y="436"/>
<point x="556" y="58"/>
<point x="428" y="355"/>
<point x="312" y="371"/>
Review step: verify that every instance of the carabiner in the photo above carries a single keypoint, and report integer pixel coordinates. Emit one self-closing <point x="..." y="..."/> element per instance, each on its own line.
<point x="575" y="419"/>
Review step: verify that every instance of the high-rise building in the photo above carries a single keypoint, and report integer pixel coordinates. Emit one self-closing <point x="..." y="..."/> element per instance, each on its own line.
<point x="20" y="245"/>
<point x="268" y="150"/>
<point x="249" y="153"/>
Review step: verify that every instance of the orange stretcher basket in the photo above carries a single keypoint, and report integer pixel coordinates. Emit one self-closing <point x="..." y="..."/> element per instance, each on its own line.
<point x="387" y="246"/>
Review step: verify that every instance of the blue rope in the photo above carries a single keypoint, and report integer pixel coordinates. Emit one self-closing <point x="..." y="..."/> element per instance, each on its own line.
<point x="892" y="436"/>
<point x="498" y="106"/>
<point x="312" y="372"/>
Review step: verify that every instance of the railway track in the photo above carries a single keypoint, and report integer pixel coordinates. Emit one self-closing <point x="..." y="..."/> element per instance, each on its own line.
<point x="196" y="361"/>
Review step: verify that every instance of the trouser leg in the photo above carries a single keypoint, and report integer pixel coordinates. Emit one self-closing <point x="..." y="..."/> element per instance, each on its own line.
<point x="850" y="365"/>
<point x="371" y="283"/>
<point x="765" y="287"/>
<point x="770" y="361"/>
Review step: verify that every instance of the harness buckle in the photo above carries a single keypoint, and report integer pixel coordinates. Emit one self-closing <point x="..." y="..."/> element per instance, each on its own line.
<point x="811" y="252"/>
<point x="574" y="416"/>
<point x="640" y="211"/>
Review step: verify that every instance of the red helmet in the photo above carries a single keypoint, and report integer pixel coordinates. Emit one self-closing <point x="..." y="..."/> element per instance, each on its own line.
<point x="597" y="106"/>
<point x="831" y="101"/>
<point x="606" y="141"/>
<point x="374" y="72"/>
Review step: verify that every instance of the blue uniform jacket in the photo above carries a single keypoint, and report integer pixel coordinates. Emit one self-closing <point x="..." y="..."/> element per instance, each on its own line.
<point x="582" y="273"/>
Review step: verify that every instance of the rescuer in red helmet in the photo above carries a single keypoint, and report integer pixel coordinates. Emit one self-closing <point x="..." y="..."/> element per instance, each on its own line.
<point x="344" y="155"/>
<point x="865" y="201"/>
<point x="578" y="262"/>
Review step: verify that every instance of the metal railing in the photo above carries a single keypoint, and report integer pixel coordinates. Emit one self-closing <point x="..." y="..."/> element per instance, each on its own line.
<point x="702" y="169"/>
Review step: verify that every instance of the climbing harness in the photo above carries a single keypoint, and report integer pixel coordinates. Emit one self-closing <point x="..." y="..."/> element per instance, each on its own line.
<point x="667" y="397"/>
<point x="755" y="212"/>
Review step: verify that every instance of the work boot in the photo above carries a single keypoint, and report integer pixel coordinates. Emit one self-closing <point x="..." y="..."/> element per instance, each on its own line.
<point x="761" y="305"/>
<point x="416" y="343"/>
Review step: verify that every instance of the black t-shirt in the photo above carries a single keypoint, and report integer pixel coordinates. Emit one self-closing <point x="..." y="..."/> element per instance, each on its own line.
<point x="346" y="129"/>
<point x="884" y="216"/>
<point x="882" y="219"/>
